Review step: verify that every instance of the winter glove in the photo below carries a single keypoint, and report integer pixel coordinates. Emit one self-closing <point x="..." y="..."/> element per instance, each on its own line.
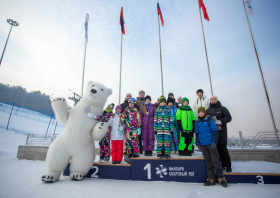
<point x="179" y="123"/>
<point x="213" y="146"/>
<point x="155" y="132"/>
<point x="139" y="131"/>
<point x="92" y="115"/>
<point x="171" y="132"/>
<point x="120" y="128"/>
<point x="218" y="122"/>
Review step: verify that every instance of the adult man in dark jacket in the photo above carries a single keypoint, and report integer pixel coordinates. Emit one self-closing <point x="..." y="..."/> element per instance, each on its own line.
<point x="124" y="105"/>
<point x="171" y="95"/>
<point x="223" y="117"/>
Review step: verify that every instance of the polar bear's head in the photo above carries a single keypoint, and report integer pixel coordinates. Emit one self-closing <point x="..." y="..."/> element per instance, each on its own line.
<point x="97" y="93"/>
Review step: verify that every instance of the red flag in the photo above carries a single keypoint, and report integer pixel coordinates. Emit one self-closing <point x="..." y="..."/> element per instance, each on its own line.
<point x="201" y="4"/>
<point x="160" y="14"/>
<point x="122" y="22"/>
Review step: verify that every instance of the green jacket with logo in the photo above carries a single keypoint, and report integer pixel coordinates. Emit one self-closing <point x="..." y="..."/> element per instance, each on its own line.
<point x="187" y="117"/>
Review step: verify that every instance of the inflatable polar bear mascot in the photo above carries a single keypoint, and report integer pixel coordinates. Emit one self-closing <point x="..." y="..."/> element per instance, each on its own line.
<point x="76" y="141"/>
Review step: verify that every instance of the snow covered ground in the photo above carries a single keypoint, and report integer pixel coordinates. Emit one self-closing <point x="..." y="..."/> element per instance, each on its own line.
<point x="22" y="178"/>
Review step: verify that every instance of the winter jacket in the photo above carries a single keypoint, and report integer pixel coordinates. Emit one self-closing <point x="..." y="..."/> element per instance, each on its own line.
<point x="115" y="123"/>
<point x="223" y="115"/>
<point x="187" y="119"/>
<point x="206" y="131"/>
<point x="200" y="102"/>
<point x="125" y="104"/>
<point x="173" y="111"/>
<point x="147" y="120"/>
<point x="139" y="103"/>
<point x="131" y="118"/>
<point x="163" y="122"/>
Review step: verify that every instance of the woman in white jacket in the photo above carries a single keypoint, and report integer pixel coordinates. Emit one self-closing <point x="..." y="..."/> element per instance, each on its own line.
<point x="201" y="101"/>
<point x="117" y="136"/>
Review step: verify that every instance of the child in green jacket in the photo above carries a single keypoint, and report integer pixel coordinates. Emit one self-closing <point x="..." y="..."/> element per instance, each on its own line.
<point x="186" y="123"/>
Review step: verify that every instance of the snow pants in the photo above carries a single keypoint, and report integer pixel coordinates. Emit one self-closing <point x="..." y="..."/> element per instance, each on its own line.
<point x="117" y="150"/>
<point x="212" y="160"/>
<point x="132" y="143"/>
<point x="175" y="140"/>
<point x="163" y="144"/>
<point x="186" y="141"/>
<point x="105" y="145"/>
<point x="224" y="155"/>
<point x="148" y="138"/>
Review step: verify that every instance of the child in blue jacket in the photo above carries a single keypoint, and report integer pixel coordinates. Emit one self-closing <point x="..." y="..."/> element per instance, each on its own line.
<point x="207" y="136"/>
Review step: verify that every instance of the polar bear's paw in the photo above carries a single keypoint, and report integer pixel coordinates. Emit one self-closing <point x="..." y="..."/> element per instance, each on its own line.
<point x="60" y="109"/>
<point x="77" y="176"/>
<point x="99" y="130"/>
<point x="58" y="101"/>
<point x="51" y="177"/>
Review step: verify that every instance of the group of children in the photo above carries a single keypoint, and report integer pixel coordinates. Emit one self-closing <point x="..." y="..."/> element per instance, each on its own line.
<point x="174" y="129"/>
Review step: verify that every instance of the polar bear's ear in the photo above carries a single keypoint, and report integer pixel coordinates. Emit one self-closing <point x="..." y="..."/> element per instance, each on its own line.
<point x="109" y="92"/>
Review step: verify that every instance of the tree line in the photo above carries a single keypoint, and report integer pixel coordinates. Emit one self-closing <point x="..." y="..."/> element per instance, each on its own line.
<point x="32" y="100"/>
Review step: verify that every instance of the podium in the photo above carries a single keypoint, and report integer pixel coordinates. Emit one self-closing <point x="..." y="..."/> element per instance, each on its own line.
<point x="180" y="169"/>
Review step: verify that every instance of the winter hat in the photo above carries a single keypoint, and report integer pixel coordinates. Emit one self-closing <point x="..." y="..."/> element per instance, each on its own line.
<point x="179" y="98"/>
<point x="199" y="90"/>
<point x="118" y="107"/>
<point x="162" y="99"/>
<point x="185" y="99"/>
<point x="214" y="97"/>
<point x="112" y="107"/>
<point x="170" y="94"/>
<point x="201" y="109"/>
<point x="170" y="100"/>
<point x="141" y="91"/>
<point x="129" y="94"/>
<point x="148" y="97"/>
<point x="132" y="100"/>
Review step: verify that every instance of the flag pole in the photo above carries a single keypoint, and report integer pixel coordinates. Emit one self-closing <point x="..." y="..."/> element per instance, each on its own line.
<point x="84" y="61"/>
<point x="205" y="50"/>
<point x="160" y="56"/>
<point x="120" y="70"/>
<point x="265" y="89"/>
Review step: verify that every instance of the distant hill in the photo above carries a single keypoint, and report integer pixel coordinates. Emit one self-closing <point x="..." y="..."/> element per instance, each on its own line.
<point x="32" y="100"/>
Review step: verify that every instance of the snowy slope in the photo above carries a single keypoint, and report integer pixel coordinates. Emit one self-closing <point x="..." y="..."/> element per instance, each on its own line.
<point x="21" y="178"/>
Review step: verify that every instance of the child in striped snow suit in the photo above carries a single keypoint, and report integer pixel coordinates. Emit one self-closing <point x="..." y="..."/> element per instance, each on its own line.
<point x="163" y="128"/>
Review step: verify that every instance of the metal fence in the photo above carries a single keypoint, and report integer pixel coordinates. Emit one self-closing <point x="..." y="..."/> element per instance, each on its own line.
<point x="264" y="138"/>
<point x="24" y="121"/>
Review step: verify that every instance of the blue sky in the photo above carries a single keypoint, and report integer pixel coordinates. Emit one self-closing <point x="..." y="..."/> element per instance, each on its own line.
<point x="47" y="50"/>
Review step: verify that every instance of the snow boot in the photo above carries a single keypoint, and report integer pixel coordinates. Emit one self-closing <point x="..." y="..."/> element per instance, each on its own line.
<point x="189" y="153"/>
<point x="181" y="153"/>
<point x="150" y="153"/>
<point x="166" y="156"/>
<point x="114" y="162"/>
<point x="129" y="155"/>
<point x="160" y="156"/>
<point x="209" y="182"/>
<point x="146" y="153"/>
<point x="223" y="181"/>
<point x="228" y="169"/>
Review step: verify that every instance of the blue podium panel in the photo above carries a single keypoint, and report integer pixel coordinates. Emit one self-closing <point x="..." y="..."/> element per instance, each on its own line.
<point x="174" y="169"/>
<point x="106" y="171"/>
<point x="253" y="178"/>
